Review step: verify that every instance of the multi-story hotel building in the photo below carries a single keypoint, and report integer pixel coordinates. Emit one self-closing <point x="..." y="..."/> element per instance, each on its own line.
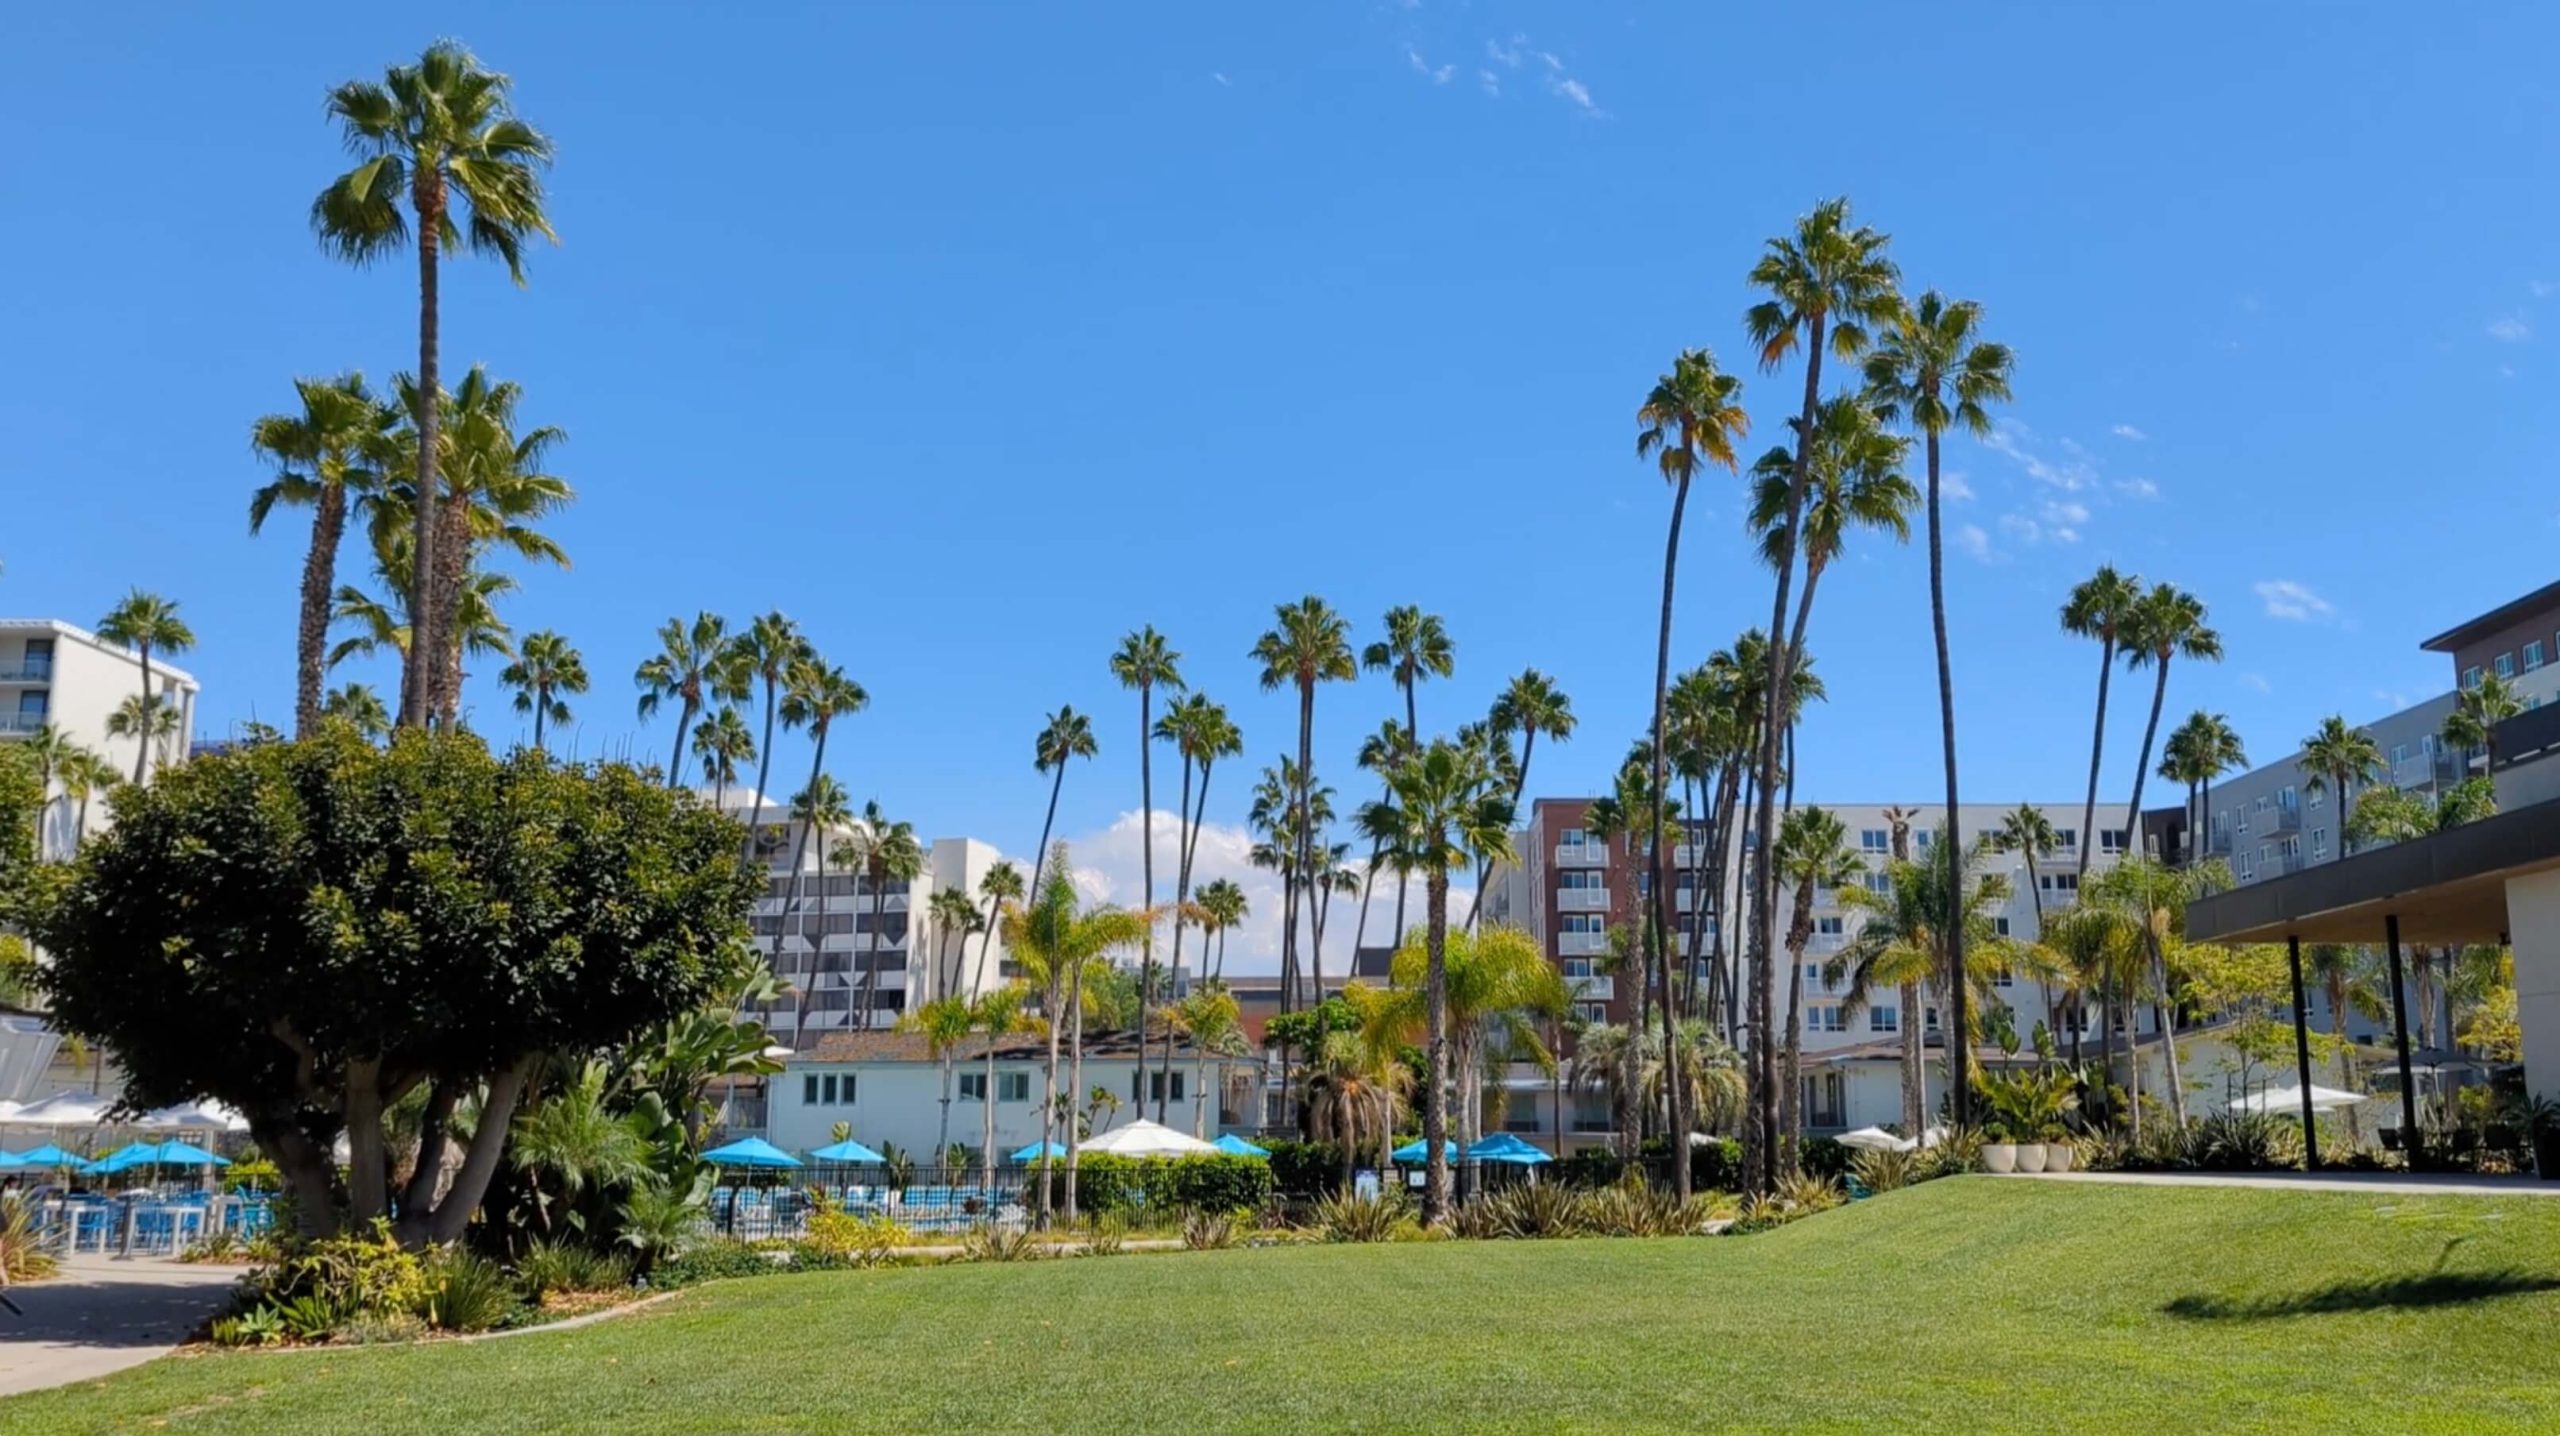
<point x="54" y="673"/>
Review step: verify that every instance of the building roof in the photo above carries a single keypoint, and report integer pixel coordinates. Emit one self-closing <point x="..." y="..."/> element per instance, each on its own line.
<point x="844" y="1047"/>
<point x="160" y="667"/>
<point x="2505" y="615"/>
<point x="2448" y="887"/>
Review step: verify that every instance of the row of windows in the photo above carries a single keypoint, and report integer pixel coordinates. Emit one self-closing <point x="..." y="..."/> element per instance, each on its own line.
<point x="2505" y="664"/>
<point x="1825" y="1017"/>
<point x="835" y="1089"/>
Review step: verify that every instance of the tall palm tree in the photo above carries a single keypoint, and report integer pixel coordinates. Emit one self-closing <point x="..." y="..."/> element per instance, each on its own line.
<point x="1827" y="282"/>
<point x="1491" y="982"/>
<point x="1068" y="734"/>
<point x="2026" y="831"/>
<point x="820" y="809"/>
<point x="1223" y="907"/>
<point x="767" y="649"/>
<point x="147" y="623"/>
<point x="358" y="704"/>
<point x="2168" y="623"/>
<point x="892" y="857"/>
<point x="1210" y="1018"/>
<point x="722" y="742"/>
<point x="441" y="131"/>
<point x="49" y="751"/>
<point x="1813" y="854"/>
<point x="2202" y="749"/>
<point x="945" y="1024"/>
<point x="695" y="666"/>
<point x="996" y="1014"/>
<point x="83" y="775"/>
<point x="2472" y="726"/>
<point x="545" y="668"/>
<point x="2099" y="950"/>
<point x="1145" y="662"/>
<point x="1689" y="421"/>
<point x="2153" y="898"/>
<point x="954" y="916"/>
<point x="1529" y="705"/>
<point x="2098" y="608"/>
<point x="1440" y="812"/>
<point x="1902" y="940"/>
<point x="1932" y="364"/>
<point x="2338" y="758"/>
<point x="1307" y="644"/>
<point x="1058" y="942"/>
<point x="322" y="455"/>
<point x="814" y="696"/>
<point x="1200" y="732"/>
<point x="1416" y="648"/>
<point x="1379" y="752"/>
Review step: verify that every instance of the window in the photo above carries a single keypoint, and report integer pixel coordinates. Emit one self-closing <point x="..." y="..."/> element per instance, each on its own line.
<point x="1823" y="1017"/>
<point x="2246" y="868"/>
<point x="2471" y="677"/>
<point x="2264" y="802"/>
<point x="1013" y="1086"/>
<point x="1590" y="922"/>
<point x="2111" y="840"/>
<point x="1582" y="879"/>
<point x="1572" y="838"/>
<point x="2291" y="847"/>
<point x="1922" y="839"/>
<point x="2265" y="853"/>
<point x="1154" y="1085"/>
<point x="1826" y="927"/>
<point x="2319" y="844"/>
<point x="2532" y="655"/>
<point x="1880" y="884"/>
<point x="1884" y="1019"/>
<point x="1874" y="840"/>
<point x="826" y="1089"/>
<point x="2000" y="925"/>
<point x="1931" y="1020"/>
<point x="2318" y="796"/>
<point x="1813" y="974"/>
<point x="2505" y="663"/>
<point x="2067" y="839"/>
<point x="1591" y="1011"/>
<point x="2399" y="754"/>
<point x="2003" y="979"/>
<point x="2058" y="882"/>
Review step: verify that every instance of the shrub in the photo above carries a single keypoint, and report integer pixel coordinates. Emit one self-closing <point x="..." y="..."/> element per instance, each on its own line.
<point x="1886" y="1171"/>
<point x="566" y="1266"/>
<point x="1304" y="1171"/>
<point x="258" y="1326"/>
<point x="990" y="1242"/>
<point x="1958" y="1152"/>
<point x="353" y="1274"/>
<point x="1716" y="1166"/>
<point x="251" y="1174"/>
<point x="467" y="1292"/>
<point x="842" y="1238"/>
<point x="1634" y="1209"/>
<point x="1811" y="1193"/>
<point x="1590" y="1169"/>
<point x="1106" y="1235"/>
<point x="1109" y="1182"/>
<point x="1534" y="1211"/>
<point x="2244" y="1142"/>
<point x="373" y="1328"/>
<point x="1354" y="1218"/>
<point x="20" y="1258"/>
<point x="1824" y="1157"/>
<point x="713" y="1261"/>
<point x="219" y="1247"/>
<point x="1212" y="1231"/>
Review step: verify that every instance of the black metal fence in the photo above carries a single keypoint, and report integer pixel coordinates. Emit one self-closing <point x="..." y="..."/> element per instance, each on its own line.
<point x="915" y="1196"/>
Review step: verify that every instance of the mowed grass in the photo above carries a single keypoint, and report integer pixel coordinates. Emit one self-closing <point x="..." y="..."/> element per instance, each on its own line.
<point x="1972" y="1304"/>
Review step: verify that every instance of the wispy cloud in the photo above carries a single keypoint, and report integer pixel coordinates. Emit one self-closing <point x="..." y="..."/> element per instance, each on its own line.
<point x="1491" y="82"/>
<point x="1436" y="74"/>
<point x="2127" y="431"/>
<point x="2391" y="698"/>
<point x="2138" y="488"/>
<point x="2256" y="683"/>
<point x="2293" y="601"/>
<point x="2543" y="288"/>
<point x="1953" y="486"/>
<point x="1971" y="540"/>
<point x="1221" y="77"/>
<point x="2070" y="473"/>
<point x="2510" y="329"/>
<point x="1553" y="75"/>
<point x="1508" y="56"/>
<point x="1574" y="91"/>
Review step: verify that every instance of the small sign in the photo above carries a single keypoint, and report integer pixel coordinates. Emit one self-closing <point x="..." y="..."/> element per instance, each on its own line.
<point x="1364" y="1185"/>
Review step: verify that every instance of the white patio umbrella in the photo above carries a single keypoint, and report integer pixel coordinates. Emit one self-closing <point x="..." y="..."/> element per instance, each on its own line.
<point x="63" y="1109"/>
<point x="1875" y="1139"/>
<point x="205" y="1116"/>
<point x="1143" y="1138"/>
<point x="2287" y="1101"/>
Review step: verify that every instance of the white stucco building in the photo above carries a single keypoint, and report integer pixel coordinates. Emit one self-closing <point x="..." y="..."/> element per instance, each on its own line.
<point x="54" y="672"/>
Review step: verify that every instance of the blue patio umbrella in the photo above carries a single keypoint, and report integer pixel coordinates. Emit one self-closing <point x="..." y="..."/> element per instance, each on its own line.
<point x="1418" y="1150"/>
<point x="50" y="1155"/>
<point x="179" y="1154"/>
<point x="847" y="1150"/>
<point x="135" y="1154"/>
<point x="750" y="1152"/>
<point x="1235" y="1146"/>
<point x="1036" y="1151"/>
<point x="1505" y="1147"/>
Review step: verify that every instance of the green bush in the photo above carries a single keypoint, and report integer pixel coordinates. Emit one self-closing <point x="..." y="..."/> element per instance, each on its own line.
<point x="1590" y="1169"/>
<point x="547" y="1267"/>
<point x="251" y="1174"/>
<point x="1108" y="1182"/>
<point x="467" y="1292"/>
<point x="1824" y="1157"/>
<point x="1304" y="1171"/>
<point x="713" y="1261"/>
<point x="1384" y="1217"/>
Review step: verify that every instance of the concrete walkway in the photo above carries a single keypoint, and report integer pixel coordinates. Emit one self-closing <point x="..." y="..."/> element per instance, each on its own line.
<point x="2407" y="1184"/>
<point x="98" y="1315"/>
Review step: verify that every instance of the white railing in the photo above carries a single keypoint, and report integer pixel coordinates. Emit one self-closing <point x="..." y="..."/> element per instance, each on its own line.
<point x="1581" y="944"/>
<point x="1582" y="855"/>
<point x="1582" y="899"/>
<point x="1593" y="989"/>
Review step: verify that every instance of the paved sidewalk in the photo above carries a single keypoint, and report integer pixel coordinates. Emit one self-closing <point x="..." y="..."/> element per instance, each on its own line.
<point x="98" y="1315"/>
<point x="2421" y="1184"/>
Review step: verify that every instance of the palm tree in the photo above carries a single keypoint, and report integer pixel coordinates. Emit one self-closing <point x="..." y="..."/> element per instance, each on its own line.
<point x="1002" y="888"/>
<point x="358" y="704"/>
<point x="1068" y="734"/>
<point x="83" y="775"/>
<point x="2204" y="748"/>
<point x="954" y="915"/>
<point x="722" y="742"/>
<point x="1440" y="812"/>
<point x="1813" y="854"/>
<point x="814" y="696"/>
<point x="819" y="808"/>
<point x="153" y="726"/>
<point x="545" y="668"/>
<point x="1827" y="282"/>
<point x="1057" y="943"/>
<point x="767" y="650"/>
<point x="1307" y="644"/>
<point x="945" y="1023"/>
<point x="2341" y="973"/>
<point x="1931" y="364"/>
<point x="2025" y="830"/>
<point x="1222" y="907"/>
<point x="695" y="666"/>
<point x="2168" y="623"/>
<point x="49" y="751"/>
<point x="1529" y="705"/>
<point x="2153" y="898"/>
<point x="1356" y="1085"/>
<point x="1379" y="752"/>
<point x="1690" y="420"/>
<point x="1145" y="662"/>
<point x="441" y="130"/>
<point x="2472" y="726"/>
<point x="2099" y="950"/>
<point x="891" y="856"/>
<point x="997" y="1013"/>
<point x="322" y="455"/>
<point x="1201" y="733"/>
<point x="1416" y="647"/>
<point x="1902" y="942"/>
<point x="2338" y="758"/>
<point x="147" y="623"/>
<point x="1490" y="984"/>
<point x="2099" y="608"/>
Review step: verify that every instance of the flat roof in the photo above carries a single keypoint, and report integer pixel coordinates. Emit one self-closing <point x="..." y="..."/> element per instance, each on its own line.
<point x="2504" y="615"/>
<point x="2448" y="887"/>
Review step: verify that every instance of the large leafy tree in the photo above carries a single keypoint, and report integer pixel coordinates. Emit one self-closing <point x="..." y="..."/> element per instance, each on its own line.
<point x="327" y="452"/>
<point x="1145" y="662"/>
<point x="546" y="668"/>
<point x="1442" y="811"/>
<point x="147" y="624"/>
<point x="2099" y="607"/>
<point x="1308" y="644"/>
<point x="440" y="137"/>
<point x="313" y="932"/>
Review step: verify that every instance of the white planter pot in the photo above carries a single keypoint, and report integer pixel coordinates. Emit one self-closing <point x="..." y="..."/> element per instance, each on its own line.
<point x="2058" y="1156"/>
<point x="2000" y="1158"/>
<point x="2031" y="1156"/>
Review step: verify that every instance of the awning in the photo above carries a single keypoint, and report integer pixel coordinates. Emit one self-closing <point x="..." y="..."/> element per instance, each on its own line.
<point x="2448" y="888"/>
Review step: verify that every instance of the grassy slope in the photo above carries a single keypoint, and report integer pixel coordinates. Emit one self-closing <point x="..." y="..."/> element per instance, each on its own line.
<point x="1974" y="1303"/>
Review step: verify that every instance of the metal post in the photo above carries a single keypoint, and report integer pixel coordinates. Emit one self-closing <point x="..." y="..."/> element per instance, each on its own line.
<point x="2302" y="1056"/>
<point x="2410" y="1139"/>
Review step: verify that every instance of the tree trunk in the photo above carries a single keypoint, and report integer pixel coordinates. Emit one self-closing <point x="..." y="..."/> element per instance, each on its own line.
<point x="1181" y="901"/>
<point x="1657" y="910"/>
<point x="368" y="1180"/>
<point x="987" y="1148"/>
<point x="942" y="1141"/>
<point x="319" y="580"/>
<point x="2097" y="750"/>
<point x="1413" y="744"/>
<point x="1306" y="821"/>
<point x="1075" y="1081"/>
<point x="453" y="562"/>
<point x="542" y="706"/>
<point x="2336" y="992"/>
<point x="764" y="757"/>
<point x="425" y="633"/>
<point x="675" y="762"/>
<point x="480" y="1161"/>
<point x="1147" y="890"/>
<point x="1963" y="1048"/>
<point x="2163" y="1009"/>
<point x="1049" y="1079"/>
<point x="1435" y="1111"/>
<point x="142" y="738"/>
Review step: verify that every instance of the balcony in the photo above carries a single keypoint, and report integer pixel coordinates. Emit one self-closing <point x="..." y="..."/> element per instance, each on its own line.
<point x="1582" y="899"/>
<point x="2287" y="819"/>
<point x="20" y="723"/>
<point x="32" y="670"/>
<point x="1593" y="989"/>
<point x="1687" y="900"/>
<point x="1582" y="855"/>
<point x="1582" y="944"/>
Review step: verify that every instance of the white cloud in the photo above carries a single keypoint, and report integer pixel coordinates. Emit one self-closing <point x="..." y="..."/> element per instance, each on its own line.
<point x="2392" y="698"/>
<point x="1436" y="74"/>
<point x="2063" y="519"/>
<point x="2510" y="329"/>
<point x="2021" y="528"/>
<point x="1221" y="77"/>
<point x="1574" y="91"/>
<point x="2070" y="475"/>
<point x="2125" y="431"/>
<point x="1106" y="866"/>
<point x="1972" y="540"/>
<point x="2256" y="683"/>
<point x="1952" y="485"/>
<point x="2287" y="599"/>
<point x="1491" y="82"/>
<point x="2138" y="488"/>
<point x="1508" y="56"/>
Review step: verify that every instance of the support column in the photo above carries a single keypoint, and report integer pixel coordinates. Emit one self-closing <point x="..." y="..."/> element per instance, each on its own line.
<point x="2302" y="1056"/>
<point x="2412" y="1141"/>
<point x="2533" y="931"/>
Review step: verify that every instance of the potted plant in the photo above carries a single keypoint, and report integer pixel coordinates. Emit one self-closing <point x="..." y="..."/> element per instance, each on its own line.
<point x="2059" y="1153"/>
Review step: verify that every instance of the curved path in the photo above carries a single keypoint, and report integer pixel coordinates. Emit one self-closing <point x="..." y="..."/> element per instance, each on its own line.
<point x="99" y="1315"/>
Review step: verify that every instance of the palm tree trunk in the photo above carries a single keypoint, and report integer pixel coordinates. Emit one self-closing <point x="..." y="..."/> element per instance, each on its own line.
<point x="1049" y="1086"/>
<point x="425" y="633"/>
<point x="453" y="562"/>
<point x="878" y="877"/>
<point x="942" y="1141"/>
<point x="1075" y="1082"/>
<point x="1915" y="1079"/>
<point x="1435" y="1111"/>
<point x="142" y="736"/>
<point x="1038" y="859"/>
<point x="2097" y="749"/>
<point x="1658" y="909"/>
<point x="542" y="704"/>
<point x="1484" y="870"/>
<point x="1947" y="739"/>
<point x="1368" y="890"/>
<point x="1306" y="820"/>
<point x="1791" y="1096"/>
<point x="319" y="580"/>
<point x="987" y="1146"/>
<point x="2336" y="991"/>
<point x="764" y="757"/>
<point x="1147" y="888"/>
<point x="1412" y="743"/>
<point x="2163" y="1011"/>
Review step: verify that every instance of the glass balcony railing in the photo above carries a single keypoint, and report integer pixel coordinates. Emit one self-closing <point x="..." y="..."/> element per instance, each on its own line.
<point x="21" y="723"/>
<point x="29" y="670"/>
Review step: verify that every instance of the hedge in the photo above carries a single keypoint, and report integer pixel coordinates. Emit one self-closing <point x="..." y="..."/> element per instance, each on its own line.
<point x="1305" y="1171"/>
<point x="1106" y="1181"/>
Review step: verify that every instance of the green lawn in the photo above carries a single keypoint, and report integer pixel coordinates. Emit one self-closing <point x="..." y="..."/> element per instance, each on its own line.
<point x="1969" y="1304"/>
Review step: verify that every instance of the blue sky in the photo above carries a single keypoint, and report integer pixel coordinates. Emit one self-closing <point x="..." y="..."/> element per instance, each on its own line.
<point x="974" y="336"/>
